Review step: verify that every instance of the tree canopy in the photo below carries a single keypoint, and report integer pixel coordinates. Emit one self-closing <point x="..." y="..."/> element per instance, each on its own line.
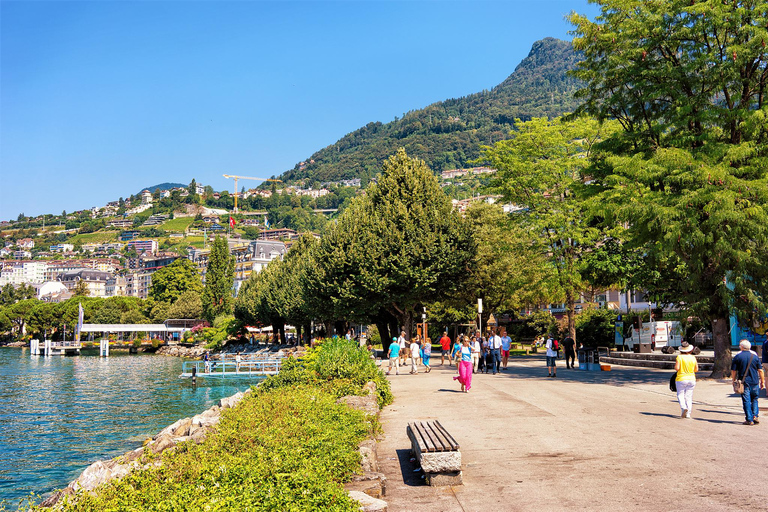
<point x="687" y="174"/>
<point x="169" y="282"/>
<point x="218" y="294"/>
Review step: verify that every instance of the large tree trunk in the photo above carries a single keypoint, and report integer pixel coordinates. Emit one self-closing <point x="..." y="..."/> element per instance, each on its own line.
<point x="722" y="340"/>
<point x="383" y="333"/>
<point x="570" y="312"/>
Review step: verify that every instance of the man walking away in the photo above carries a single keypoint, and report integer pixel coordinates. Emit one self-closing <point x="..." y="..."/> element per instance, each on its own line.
<point x="494" y="343"/>
<point x="392" y="354"/>
<point x="445" y="344"/>
<point x="403" y="348"/>
<point x="506" y="343"/>
<point x="569" y="344"/>
<point x="746" y="367"/>
<point x="551" y="357"/>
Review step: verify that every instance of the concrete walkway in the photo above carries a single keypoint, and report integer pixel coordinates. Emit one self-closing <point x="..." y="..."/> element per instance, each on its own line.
<point x="608" y="441"/>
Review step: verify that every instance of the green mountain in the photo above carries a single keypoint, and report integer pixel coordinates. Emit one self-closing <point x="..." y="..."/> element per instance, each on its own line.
<point x="448" y="134"/>
<point x="163" y="186"/>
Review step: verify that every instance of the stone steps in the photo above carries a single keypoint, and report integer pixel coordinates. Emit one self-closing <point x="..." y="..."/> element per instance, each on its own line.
<point x="649" y="363"/>
<point x="656" y="357"/>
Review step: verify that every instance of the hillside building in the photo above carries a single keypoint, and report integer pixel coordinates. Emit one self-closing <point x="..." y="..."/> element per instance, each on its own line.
<point x="94" y="279"/>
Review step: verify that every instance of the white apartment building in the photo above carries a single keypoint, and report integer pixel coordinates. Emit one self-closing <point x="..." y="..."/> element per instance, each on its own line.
<point x="21" y="272"/>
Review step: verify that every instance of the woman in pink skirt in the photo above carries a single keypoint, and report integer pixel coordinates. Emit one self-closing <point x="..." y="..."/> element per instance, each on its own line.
<point x="465" y="366"/>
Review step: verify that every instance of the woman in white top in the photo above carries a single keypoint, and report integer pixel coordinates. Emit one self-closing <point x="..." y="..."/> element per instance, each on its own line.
<point x="476" y="349"/>
<point x="415" y="354"/>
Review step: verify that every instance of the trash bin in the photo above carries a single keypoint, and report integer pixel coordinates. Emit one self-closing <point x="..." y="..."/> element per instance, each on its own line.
<point x="645" y="348"/>
<point x="582" y="353"/>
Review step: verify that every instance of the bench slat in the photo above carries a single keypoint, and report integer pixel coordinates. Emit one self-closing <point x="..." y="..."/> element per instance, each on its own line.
<point x="424" y="444"/>
<point x="452" y="442"/>
<point x="445" y="443"/>
<point x="428" y="440"/>
<point x="436" y="441"/>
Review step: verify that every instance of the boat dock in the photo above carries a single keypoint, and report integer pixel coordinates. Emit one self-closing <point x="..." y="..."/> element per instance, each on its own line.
<point x="227" y="366"/>
<point x="55" y="348"/>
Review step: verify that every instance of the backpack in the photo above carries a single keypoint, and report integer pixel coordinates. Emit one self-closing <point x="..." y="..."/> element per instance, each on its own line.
<point x="555" y="345"/>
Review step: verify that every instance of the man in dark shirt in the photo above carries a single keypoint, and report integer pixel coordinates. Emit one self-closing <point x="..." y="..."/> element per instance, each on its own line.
<point x="570" y="352"/>
<point x="746" y="366"/>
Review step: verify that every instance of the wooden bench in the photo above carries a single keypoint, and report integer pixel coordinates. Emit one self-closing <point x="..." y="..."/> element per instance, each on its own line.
<point x="436" y="451"/>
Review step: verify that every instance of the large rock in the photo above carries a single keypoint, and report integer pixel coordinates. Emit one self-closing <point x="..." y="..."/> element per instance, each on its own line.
<point x="368" y="503"/>
<point x="231" y="401"/>
<point x="368" y="455"/>
<point x="162" y="444"/>
<point x="94" y="475"/>
<point x="367" y="403"/>
<point x="371" y="483"/>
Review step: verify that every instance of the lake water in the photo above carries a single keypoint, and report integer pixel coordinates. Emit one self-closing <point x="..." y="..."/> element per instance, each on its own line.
<point x="60" y="414"/>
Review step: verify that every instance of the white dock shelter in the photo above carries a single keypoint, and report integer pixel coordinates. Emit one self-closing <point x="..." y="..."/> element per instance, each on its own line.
<point x="166" y="331"/>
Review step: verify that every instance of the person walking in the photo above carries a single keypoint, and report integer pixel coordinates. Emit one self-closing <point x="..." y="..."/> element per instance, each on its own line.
<point x="207" y="360"/>
<point x="426" y="353"/>
<point x="237" y="361"/>
<point x="551" y="357"/>
<point x="445" y="346"/>
<point x="415" y="350"/>
<point x="403" y="348"/>
<point x="506" y="344"/>
<point x="569" y="344"/>
<point x="465" y="366"/>
<point x="392" y="355"/>
<point x="494" y="345"/>
<point x="477" y="349"/>
<point x="747" y="368"/>
<point x="686" y="367"/>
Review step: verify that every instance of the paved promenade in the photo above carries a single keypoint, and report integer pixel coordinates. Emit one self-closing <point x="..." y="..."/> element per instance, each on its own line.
<point x="608" y="441"/>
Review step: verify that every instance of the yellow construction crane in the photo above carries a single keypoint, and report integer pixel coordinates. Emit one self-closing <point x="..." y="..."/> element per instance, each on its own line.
<point x="245" y="178"/>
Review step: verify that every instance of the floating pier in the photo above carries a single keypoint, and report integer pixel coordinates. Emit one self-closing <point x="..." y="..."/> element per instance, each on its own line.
<point x="227" y="366"/>
<point x="55" y="348"/>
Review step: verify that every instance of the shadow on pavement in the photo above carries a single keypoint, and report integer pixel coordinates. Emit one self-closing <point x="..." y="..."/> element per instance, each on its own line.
<point x="408" y="469"/>
<point x="450" y="390"/>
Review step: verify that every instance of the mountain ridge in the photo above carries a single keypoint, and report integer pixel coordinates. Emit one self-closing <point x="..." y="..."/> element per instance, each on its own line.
<point x="449" y="133"/>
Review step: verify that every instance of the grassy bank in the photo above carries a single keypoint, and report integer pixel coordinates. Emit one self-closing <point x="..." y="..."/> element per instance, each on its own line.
<point x="287" y="446"/>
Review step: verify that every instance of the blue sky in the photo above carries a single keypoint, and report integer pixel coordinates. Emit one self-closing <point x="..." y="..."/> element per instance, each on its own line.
<point x="101" y="99"/>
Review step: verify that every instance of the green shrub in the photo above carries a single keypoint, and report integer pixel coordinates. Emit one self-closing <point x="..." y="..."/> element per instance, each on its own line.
<point x="595" y="327"/>
<point x="287" y="449"/>
<point x="339" y="365"/>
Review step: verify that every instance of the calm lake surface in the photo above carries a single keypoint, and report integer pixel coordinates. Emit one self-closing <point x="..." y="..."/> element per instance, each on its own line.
<point x="60" y="414"/>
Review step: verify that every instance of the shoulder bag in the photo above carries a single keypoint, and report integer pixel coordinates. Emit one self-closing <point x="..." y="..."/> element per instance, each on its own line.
<point x="738" y="384"/>
<point x="673" y="382"/>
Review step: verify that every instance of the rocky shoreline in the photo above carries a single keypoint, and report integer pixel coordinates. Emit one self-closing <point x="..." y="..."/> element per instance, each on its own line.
<point x="367" y="488"/>
<point x="193" y="429"/>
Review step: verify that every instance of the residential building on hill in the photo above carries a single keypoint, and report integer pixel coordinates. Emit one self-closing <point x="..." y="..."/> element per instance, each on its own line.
<point x="278" y="234"/>
<point x="94" y="279"/>
<point x="141" y="246"/>
<point x="127" y="236"/>
<point x="250" y="257"/>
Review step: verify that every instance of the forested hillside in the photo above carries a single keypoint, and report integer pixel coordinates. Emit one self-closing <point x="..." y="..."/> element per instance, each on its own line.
<point x="448" y="134"/>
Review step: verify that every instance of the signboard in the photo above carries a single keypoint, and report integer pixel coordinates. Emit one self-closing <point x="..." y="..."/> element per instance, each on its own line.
<point x="618" y="336"/>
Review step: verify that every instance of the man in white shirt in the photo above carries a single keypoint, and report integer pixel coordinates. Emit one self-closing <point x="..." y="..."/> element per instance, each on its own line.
<point x="403" y="348"/>
<point x="494" y="345"/>
<point x="551" y="357"/>
<point x="476" y="350"/>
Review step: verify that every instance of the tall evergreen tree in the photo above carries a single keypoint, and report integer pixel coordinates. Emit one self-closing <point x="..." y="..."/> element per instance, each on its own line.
<point x="687" y="81"/>
<point x="219" y="281"/>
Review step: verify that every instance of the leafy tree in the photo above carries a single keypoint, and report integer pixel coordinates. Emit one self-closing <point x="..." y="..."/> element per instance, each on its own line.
<point x="687" y="82"/>
<point x="394" y="249"/>
<point x="219" y="281"/>
<point x="81" y="289"/>
<point x="541" y="168"/>
<point x="169" y="282"/>
<point x="134" y="316"/>
<point x="508" y="271"/>
<point x="188" y="305"/>
<point x="19" y="313"/>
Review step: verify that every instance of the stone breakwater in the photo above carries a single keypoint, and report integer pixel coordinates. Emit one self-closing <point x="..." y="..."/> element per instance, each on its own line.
<point x="244" y="349"/>
<point x="193" y="429"/>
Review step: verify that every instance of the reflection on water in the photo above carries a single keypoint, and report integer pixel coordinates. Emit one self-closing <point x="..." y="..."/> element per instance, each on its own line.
<point x="60" y="414"/>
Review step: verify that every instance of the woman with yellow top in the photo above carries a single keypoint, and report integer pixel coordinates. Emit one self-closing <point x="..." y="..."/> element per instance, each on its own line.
<point x="685" y="381"/>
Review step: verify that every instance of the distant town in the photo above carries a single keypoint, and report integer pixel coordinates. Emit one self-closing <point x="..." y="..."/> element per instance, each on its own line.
<point x="114" y="249"/>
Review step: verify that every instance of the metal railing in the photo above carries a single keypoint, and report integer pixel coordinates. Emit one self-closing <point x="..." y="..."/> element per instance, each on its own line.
<point x="229" y="367"/>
